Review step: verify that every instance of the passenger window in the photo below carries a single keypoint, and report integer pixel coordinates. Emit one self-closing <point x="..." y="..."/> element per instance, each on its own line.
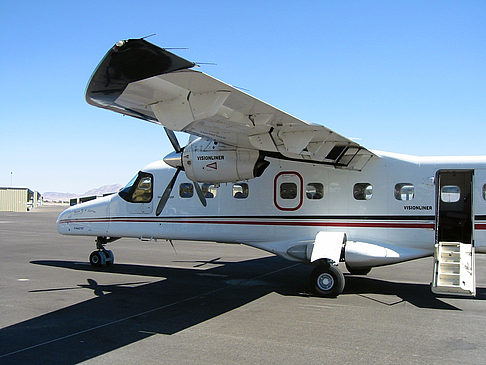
<point x="363" y="191"/>
<point x="209" y="191"/>
<point x="288" y="190"/>
<point x="484" y="191"/>
<point x="450" y="194"/>
<point x="186" y="190"/>
<point x="240" y="191"/>
<point x="314" y="191"/>
<point x="405" y="191"/>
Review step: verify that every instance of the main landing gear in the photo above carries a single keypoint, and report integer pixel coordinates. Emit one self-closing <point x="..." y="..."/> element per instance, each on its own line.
<point x="327" y="280"/>
<point x="102" y="257"/>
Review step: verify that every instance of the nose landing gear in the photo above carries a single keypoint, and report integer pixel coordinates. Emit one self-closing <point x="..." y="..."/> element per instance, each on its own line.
<point x="102" y="257"/>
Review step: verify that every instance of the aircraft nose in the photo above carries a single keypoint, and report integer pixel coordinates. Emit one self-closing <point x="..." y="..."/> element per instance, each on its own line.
<point x="174" y="159"/>
<point x="62" y="223"/>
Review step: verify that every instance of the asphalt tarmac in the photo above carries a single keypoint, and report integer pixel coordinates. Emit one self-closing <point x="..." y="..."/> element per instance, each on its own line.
<point x="213" y="303"/>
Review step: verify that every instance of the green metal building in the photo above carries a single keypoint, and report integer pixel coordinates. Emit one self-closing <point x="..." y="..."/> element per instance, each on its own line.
<point x="18" y="199"/>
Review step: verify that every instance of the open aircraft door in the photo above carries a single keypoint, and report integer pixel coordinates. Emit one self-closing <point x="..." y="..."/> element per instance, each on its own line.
<point x="454" y="242"/>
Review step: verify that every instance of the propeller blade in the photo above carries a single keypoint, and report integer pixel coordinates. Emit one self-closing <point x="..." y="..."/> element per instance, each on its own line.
<point x="174" y="159"/>
<point x="166" y="194"/>
<point x="173" y="139"/>
<point x="200" y="194"/>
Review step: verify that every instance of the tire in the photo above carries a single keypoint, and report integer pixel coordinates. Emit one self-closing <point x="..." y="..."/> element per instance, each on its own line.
<point x="327" y="281"/>
<point x="110" y="258"/>
<point x="95" y="259"/>
<point x="358" y="271"/>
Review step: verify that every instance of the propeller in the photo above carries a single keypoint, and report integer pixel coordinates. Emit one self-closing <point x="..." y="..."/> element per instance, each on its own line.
<point x="173" y="140"/>
<point x="200" y="194"/>
<point x="174" y="159"/>
<point x="167" y="191"/>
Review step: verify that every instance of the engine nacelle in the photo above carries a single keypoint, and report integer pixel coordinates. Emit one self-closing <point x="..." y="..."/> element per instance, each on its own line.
<point x="214" y="162"/>
<point x="363" y="254"/>
<point x="335" y="247"/>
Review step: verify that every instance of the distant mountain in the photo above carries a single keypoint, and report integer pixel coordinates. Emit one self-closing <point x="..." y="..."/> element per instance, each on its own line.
<point x="105" y="189"/>
<point x="56" y="197"/>
<point x="51" y="196"/>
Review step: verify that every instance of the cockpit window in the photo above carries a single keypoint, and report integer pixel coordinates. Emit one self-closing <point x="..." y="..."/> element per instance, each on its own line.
<point x="126" y="190"/>
<point x="143" y="190"/>
<point x="139" y="189"/>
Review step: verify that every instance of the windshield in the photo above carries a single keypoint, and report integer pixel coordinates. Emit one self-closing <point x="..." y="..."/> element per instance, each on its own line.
<point x="124" y="192"/>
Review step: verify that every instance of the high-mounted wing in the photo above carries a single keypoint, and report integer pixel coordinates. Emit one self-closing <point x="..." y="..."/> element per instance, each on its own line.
<point x="140" y="79"/>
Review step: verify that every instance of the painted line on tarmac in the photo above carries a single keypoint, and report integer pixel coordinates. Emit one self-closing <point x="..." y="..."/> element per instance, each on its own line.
<point x="141" y="313"/>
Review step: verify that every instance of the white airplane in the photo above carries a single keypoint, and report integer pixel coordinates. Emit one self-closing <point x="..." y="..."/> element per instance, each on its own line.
<point x="258" y="176"/>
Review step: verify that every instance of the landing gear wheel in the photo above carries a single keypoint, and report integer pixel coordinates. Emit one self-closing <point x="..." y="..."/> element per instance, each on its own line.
<point x="327" y="281"/>
<point x="360" y="271"/>
<point x="95" y="259"/>
<point x="110" y="258"/>
<point x="101" y="258"/>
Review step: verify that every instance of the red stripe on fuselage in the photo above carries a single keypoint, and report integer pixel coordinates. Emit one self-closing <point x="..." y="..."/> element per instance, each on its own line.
<point x="260" y="223"/>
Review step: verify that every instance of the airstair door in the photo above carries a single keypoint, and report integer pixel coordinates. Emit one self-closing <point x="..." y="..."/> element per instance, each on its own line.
<point x="454" y="241"/>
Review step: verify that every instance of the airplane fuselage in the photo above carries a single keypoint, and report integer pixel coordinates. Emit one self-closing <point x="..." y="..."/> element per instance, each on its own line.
<point x="391" y="203"/>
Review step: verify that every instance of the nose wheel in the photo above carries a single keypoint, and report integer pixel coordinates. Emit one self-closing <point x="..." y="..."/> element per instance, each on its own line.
<point x="101" y="258"/>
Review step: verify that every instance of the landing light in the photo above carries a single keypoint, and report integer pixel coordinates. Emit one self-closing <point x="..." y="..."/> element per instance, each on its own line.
<point x="118" y="45"/>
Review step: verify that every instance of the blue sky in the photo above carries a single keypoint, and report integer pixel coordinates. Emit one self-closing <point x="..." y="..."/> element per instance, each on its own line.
<point x="403" y="76"/>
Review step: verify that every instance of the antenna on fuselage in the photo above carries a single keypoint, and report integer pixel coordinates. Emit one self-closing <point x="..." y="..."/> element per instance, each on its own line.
<point x="172" y="244"/>
<point x="148" y="36"/>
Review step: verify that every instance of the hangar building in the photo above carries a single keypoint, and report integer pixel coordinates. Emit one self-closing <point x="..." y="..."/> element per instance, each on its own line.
<point x="18" y="199"/>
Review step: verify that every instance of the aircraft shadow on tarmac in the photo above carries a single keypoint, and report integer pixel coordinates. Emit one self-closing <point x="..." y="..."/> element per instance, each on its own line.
<point x="419" y="295"/>
<point x="125" y="313"/>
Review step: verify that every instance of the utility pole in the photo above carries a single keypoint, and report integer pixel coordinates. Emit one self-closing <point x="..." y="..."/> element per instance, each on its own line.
<point x="11" y="178"/>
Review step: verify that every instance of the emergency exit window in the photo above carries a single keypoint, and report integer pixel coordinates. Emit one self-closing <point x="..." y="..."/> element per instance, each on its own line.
<point x="288" y="190"/>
